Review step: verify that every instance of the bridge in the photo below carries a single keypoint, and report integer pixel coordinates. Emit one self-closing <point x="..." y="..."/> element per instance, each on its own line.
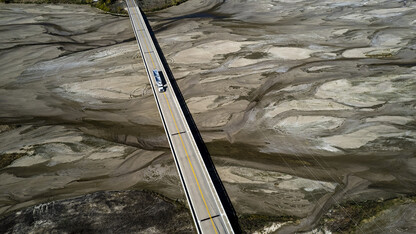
<point x="203" y="189"/>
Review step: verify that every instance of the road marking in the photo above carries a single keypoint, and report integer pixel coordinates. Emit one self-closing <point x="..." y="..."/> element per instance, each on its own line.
<point x="179" y="133"/>
<point x="174" y="134"/>
<point x="144" y="38"/>
<point x="190" y="163"/>
<point x="202" y="220"/>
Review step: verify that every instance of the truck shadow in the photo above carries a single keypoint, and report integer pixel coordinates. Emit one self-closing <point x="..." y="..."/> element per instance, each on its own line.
<point x="162" y="78"/>
<point x="222" y="193"/>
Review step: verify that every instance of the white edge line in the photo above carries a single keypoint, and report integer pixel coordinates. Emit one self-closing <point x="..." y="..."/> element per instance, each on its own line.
<point x="217" y="200"/>
<point x="196" y="221"/>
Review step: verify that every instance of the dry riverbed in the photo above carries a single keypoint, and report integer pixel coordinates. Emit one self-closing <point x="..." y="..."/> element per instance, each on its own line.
<point x="305" y="106"/>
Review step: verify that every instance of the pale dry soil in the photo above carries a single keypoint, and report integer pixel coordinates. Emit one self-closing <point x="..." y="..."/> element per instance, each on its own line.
<point x="302" y="104"/>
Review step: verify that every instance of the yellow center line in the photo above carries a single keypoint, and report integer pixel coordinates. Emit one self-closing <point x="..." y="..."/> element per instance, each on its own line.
<point x="145" y="42"/>
<point x="190" y="163"/>
<point x="180" y="136"/>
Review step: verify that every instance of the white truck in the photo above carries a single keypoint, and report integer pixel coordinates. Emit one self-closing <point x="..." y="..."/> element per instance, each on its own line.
<point x="159" y="81"/>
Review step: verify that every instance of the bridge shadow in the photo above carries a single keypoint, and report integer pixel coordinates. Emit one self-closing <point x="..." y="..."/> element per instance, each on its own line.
<point x="222" y="193"/>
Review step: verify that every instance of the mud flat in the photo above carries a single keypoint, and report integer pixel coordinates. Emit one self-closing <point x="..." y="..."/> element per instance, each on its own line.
<point x="55" y="141"/>
<point x="301" y="112"/>
<point x="316" y="90"/>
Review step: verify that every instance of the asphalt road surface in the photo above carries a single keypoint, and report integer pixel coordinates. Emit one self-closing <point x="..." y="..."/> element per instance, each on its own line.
<point x="207" y="211"/>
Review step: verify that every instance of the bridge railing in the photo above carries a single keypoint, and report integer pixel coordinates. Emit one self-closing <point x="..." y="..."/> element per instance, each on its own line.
<point x="219" y="187"/>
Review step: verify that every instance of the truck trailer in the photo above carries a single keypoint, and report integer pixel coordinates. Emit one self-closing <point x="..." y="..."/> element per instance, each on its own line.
<point x="159" y="82"/>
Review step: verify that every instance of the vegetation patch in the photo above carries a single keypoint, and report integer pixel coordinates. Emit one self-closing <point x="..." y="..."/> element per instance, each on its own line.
<point x="102" y="212"/>
<point x="380" y="55"/>
<point x="5" y="128"/>
<point x="47" y="1"/>
<point x="111" y="6"/>
<point x="157" y="5"/>
<point x="345" y="218"/>
<point x="7" y="159"/>
<point x="254" y="222"/>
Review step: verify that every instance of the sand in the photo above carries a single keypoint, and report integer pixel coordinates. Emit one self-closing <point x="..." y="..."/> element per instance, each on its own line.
<point x="402" y="120"/>
<point x="206" y="52"/>
<point x="311" y="104"/>
<point x="241" y="62"/>
<point x="311" y="124"/>
<point x="290" y="53"/>
<point x="368" y="52"/>
<point x="202" y="104"/>
<point x="368" y="92"/>
<point x="363" y="136"/>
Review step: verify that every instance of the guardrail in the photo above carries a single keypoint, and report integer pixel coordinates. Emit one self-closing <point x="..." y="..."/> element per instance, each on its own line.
<point x="215" y="178"/>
